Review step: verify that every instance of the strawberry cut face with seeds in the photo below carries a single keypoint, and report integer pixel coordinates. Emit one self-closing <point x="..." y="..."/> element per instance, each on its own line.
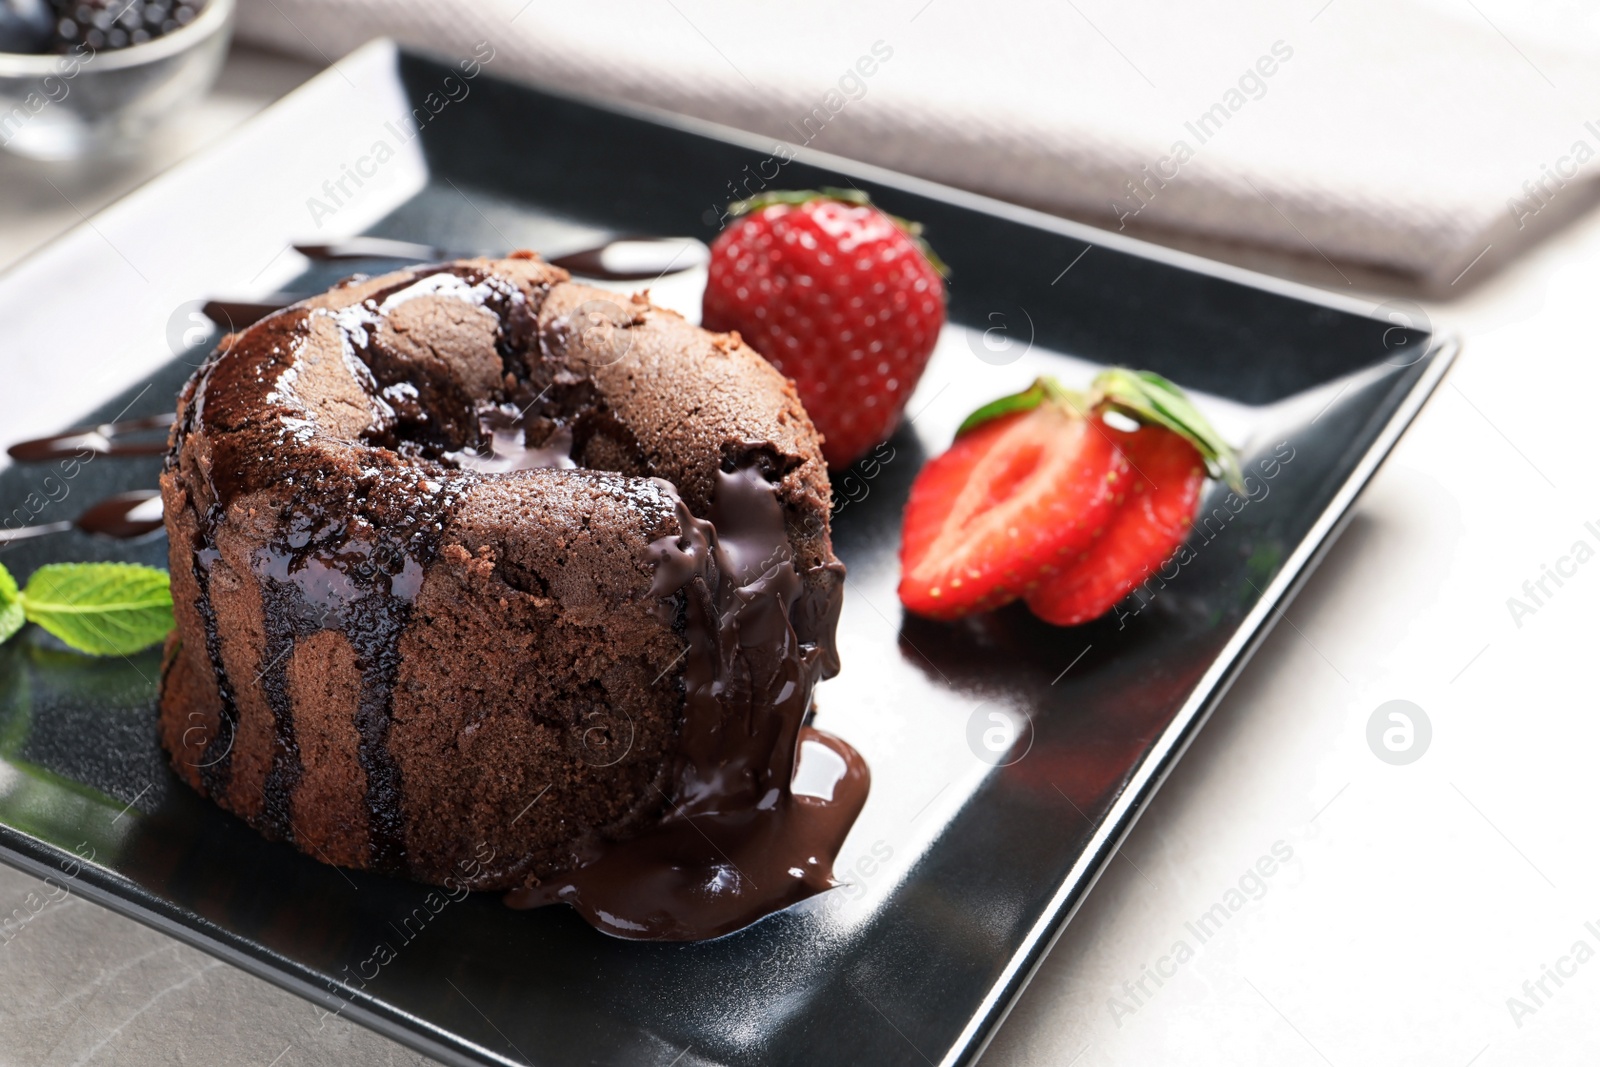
<point x="1039" y="498"/>
<point x="1010" y="503"/>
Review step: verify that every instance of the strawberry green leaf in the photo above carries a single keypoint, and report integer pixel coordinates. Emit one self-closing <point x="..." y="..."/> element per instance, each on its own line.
<point x="1027" y="400"/>
<point x="11" y="617"/>
<point x="1142" y="395"/>
<point x="100" y="608"/>
<point x="1030" y="398"/>
<point x="794" y="197"/>
<point x="914" y="231"/>
<point x="1150" y="398"/>
<point x="1042" y="389"/>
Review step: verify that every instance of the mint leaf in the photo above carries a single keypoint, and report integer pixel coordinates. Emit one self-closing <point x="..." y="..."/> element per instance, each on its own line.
<point x="11" y="617"/>
<point x="100" y="608"/>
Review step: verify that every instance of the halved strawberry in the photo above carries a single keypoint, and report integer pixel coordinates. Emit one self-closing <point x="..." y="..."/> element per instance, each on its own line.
<point x="1033" y="499"/>
<point x="1019" y="494"/>
<point x="1149" y="524"/>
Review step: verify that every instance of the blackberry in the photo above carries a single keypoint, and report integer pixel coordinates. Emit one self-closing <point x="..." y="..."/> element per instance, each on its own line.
<point x="112" y="24"/>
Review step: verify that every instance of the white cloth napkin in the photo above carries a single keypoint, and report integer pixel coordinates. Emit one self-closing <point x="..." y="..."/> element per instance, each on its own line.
<point x="1407" y="134"/>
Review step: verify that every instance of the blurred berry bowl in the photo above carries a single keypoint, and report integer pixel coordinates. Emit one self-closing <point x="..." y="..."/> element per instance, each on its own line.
<point x="94" y="77"/>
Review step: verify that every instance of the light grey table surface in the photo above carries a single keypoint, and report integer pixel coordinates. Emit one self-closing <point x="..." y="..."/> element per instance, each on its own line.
<point x="1419" y="899"/>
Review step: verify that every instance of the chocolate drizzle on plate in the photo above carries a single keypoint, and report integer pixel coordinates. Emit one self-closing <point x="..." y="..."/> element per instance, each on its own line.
<point x="737" y="841"/>
<point x="132" y="437"/>
<point x="124" y="515"/>
<point x="120" y="516"/>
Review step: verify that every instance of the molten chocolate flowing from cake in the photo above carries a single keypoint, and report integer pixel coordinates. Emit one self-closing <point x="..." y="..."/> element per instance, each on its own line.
<point x="738" y="842"/>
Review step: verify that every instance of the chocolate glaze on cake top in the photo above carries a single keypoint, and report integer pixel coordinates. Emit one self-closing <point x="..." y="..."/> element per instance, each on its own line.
<point x="472" y="560"/>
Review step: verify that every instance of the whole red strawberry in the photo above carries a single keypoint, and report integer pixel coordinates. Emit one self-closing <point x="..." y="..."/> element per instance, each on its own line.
<point x="838" y="296"/>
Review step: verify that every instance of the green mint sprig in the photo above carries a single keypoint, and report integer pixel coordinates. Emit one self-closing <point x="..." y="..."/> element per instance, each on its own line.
<point x="1144" y="396"/>
<point x="104" y="609"/>
<point x="11" y="614"/>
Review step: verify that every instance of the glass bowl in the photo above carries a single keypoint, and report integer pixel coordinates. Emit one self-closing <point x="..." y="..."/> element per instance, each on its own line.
<point x="89" y="102"/>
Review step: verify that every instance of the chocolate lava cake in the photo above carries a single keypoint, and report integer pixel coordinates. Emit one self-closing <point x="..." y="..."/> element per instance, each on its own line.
<point x="486" y="577"/>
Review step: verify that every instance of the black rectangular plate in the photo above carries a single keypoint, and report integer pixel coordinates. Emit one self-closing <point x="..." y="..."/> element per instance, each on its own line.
<point x="961" y="873"/>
